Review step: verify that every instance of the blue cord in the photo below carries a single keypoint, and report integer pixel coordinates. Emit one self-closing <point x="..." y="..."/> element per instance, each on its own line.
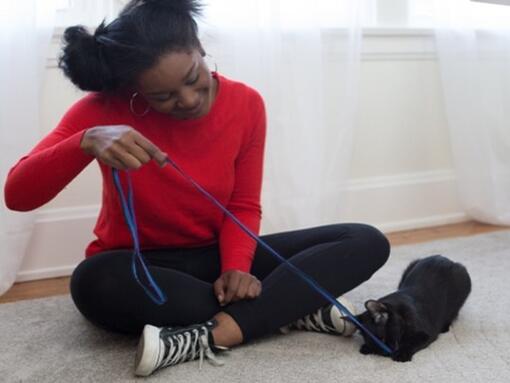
<point x="137" y="259"/>
<point x="130" y="219"/>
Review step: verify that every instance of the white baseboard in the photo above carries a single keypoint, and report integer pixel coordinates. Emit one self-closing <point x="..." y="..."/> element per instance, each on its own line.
<point x="58" y="242"/>
<point x="405" y="201"/>
<point x="67" y="214"/>
<point x="391" y="203"/>
<point x="420" y="223"/>
<point x="45" y="273"/>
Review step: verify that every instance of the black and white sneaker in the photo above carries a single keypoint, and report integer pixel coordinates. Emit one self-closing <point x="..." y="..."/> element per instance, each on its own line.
<point x="160" y="347"/>
<point x="327" y="319"/>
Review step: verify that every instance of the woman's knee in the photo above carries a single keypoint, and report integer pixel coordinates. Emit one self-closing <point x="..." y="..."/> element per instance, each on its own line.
<point x="81" y="281"/>
<point x="374" y="242"/>
<point x="95" y="286"/>
<point x="91" y="274"/>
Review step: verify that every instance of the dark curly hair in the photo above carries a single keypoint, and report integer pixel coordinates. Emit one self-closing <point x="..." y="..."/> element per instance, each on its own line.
<point x="113" y="57"/>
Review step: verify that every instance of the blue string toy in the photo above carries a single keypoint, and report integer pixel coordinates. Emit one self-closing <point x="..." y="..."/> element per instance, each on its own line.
<point x="137" y="261"/>
<point x="144" y="278"/>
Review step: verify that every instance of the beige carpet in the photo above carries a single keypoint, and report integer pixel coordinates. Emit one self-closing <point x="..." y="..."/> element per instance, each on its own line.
<point x="46" y="340"/>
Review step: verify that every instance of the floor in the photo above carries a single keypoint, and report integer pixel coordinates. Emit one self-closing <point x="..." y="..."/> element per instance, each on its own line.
<point x="59" y="286"/>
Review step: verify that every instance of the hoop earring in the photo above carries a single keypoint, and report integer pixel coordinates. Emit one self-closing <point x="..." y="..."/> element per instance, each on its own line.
<point x="131" y="106"/>
<point x="215" y="65"/>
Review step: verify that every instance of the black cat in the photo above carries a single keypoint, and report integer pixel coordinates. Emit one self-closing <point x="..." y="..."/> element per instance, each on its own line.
<point x="429" y="296"/>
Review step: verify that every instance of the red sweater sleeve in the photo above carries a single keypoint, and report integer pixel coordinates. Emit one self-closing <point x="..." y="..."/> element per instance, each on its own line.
<point x="236" y="247"/>
<point x="40" y="175"/>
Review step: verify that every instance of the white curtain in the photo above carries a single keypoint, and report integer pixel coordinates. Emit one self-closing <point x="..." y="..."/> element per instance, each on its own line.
<point x="304" y="58"/>
<point x="25" y="30"/>
<point x="87" y="12"/>
<point x="473" y="44"/>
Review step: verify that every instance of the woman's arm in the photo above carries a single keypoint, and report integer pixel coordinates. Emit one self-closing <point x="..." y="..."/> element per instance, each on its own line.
<point x="40" y="175"/>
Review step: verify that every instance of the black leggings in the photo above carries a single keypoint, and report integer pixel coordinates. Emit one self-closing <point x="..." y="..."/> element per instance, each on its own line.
<point x="339" y="257"/>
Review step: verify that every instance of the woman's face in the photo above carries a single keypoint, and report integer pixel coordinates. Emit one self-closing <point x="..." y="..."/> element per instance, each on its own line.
<point x="179" y="84"/>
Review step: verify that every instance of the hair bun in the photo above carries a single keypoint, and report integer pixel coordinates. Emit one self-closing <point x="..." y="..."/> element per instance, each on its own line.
<point x="116" y="54"/>
<point x="82" y="61"/>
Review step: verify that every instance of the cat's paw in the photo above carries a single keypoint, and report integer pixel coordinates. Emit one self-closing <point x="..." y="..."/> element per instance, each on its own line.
<point x="365" y="350"/>
<point x="402" y="356"/>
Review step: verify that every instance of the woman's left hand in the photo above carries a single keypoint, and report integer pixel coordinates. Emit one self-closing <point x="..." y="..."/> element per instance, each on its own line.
<point x="235" y="285"/>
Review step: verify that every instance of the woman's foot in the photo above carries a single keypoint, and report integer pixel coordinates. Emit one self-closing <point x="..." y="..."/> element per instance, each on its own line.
<point x="160" y="347"/>
<point x="327" y="319"/>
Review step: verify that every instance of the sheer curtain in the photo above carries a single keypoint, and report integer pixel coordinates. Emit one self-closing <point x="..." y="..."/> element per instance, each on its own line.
<point x="473" y="44"/>
<point x="25" y="31"/>
<point x="304" y="60"/>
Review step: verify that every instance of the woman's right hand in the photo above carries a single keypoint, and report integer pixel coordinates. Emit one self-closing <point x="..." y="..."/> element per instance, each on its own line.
<point x="121" y="147"/>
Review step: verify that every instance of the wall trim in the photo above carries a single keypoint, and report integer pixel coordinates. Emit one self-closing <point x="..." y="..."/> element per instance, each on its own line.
<point x="355" y="184"/>
<point x="49" y="272"/>
<point x="416" y="178"/>
<point x="420" y="223"/>
<point x="74" y="223"/>
<point x="67" y="213"/>
<point x="364" y="183"/>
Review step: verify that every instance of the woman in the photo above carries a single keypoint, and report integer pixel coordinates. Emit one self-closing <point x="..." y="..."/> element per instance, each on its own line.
<point x="152" y="95"/>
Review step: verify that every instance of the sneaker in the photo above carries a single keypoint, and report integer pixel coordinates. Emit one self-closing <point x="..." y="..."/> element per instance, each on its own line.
<point x="327" y="319"/>
<point x="160" y="347"/>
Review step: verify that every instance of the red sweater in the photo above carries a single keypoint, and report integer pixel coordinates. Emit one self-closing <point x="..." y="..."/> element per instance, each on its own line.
<point x="222" y="151"/>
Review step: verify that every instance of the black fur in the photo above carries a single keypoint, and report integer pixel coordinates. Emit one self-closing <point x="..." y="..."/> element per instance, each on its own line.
<point x="429" y="296"/>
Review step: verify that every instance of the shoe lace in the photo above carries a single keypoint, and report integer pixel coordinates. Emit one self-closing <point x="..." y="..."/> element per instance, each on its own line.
<point x="313" y="322"/>
<point x="188" y="345"/>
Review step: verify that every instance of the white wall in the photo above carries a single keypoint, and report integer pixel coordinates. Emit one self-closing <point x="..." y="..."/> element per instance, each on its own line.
<point x="402" y="174"/>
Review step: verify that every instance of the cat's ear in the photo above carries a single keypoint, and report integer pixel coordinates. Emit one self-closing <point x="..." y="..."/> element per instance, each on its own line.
<point x="374" y="306"/>
<point x="378" y="311"/>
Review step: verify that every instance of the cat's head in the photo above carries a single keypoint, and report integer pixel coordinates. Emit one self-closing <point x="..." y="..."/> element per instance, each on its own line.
<point x="388" y="322"/>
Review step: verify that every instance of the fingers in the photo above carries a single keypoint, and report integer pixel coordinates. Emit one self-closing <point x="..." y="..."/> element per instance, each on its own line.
<point x="121" y="146"/>
<point x="234" y="281"/>
<point x="244" y="285"/>
<point x="152" y="150"/>
<point x="110" y="160"/>
<point x="254" y="289"/>
<point x="248" y="287"/>
<point x="219" y="290"/>
<point x="235" y="285"/>
<point x="125" y="156"/>
<point x="139" y="153"/>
